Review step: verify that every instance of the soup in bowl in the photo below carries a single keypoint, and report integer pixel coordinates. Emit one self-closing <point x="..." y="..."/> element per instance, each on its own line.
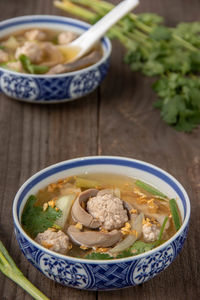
<point x="34" y="66"/>
<point x="77" y="219"/>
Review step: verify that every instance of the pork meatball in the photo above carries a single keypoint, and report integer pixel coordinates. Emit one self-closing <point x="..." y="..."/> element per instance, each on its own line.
<point x="35" y="34"/>
<point x="150" y="232"/>
<point x="109" y="210"/>
<point x="32" y="50"/>
<point x="55" y="241"/>
<point x="66" y="37"/>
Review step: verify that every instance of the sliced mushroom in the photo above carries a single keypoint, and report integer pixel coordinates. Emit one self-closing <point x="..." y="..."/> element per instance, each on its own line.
<point x="93" y="238"/>
<point x="84" y="62"/>
<point x="128" y="207"/>
<point x="80" y="215"/>
<point x="105" y="191"/>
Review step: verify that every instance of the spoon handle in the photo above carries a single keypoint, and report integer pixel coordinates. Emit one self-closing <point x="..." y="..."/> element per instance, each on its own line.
<point x="91" y="36"/>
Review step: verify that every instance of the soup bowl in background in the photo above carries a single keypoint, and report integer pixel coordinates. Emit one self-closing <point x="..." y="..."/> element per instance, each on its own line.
<point x="58" y="87"/>
<point x="102" y="274"/>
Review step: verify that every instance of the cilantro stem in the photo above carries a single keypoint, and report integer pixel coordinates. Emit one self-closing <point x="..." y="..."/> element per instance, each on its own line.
<point x="102" y="7"/>
<point x="184" y="43"/>
<point x="95" y="4"/>
<point x="140" y="25"/>
<point x="76" y="10"/>
<point x="137" y="36"/>
<point x="9" y="268"/>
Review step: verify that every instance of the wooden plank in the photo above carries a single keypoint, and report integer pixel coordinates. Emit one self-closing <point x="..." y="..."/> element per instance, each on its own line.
<point x="130" y="126"/>
<point x="33" y="137"/>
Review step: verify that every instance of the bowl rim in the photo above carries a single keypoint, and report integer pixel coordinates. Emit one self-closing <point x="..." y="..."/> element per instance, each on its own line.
<point x="82" y="24"/>
<point x="109" y="261"/>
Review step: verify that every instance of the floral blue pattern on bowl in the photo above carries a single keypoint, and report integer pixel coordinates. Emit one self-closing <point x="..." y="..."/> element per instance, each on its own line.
<point x="110" y="274"/>
<point x="52" y="88"/>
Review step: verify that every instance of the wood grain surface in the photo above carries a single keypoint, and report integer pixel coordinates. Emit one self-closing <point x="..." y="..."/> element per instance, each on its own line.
<point x="117" y="119"/>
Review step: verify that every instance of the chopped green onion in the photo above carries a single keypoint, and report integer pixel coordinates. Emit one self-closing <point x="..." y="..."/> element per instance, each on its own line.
<point x="3" y="65"/>
<point x="40" y="69"/>
<point x="140" y="247"/>
<point x="9" y="268"/>
<point x="162" y="229"/>
<point x="150" y="189"/>
<point x="31" y="68"/>
<point x="26" y="63"/>
<point x="175" y="213"/>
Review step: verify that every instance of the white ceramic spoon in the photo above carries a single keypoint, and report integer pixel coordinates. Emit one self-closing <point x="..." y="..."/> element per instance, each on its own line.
<point x="86" y="41"/>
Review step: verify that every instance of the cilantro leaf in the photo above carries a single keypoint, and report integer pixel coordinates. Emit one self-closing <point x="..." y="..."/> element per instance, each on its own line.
<point x="195" y="61"/>
<point x="102" y="256"/>
<point x="189" y="32"/>
<point x="152" y="68"/>
<point x="150" y="19"/>
<point x="125" y="253"/>
<point x="34" y="220"/>
<point x="160" y="33"/>
<point x="140" y="247"/>
<point x="98" y="256"/>
<point x="179" y="100"/>
<point x="137" y="248"/>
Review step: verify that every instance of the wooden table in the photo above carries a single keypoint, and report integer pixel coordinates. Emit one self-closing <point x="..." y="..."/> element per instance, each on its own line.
<point x="117" y="119"/>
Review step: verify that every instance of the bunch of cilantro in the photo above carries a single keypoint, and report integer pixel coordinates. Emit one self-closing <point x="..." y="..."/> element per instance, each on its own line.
<point x="172" y="54"/>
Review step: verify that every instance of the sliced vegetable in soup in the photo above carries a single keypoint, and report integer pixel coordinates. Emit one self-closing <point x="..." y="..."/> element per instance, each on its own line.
<point x="100" y="216"/>
<point x="40" y="51"/>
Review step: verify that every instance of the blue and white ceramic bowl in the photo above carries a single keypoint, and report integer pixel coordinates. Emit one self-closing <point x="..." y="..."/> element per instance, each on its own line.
<point x="52" y="88"/>
<point x="110" y="274"/>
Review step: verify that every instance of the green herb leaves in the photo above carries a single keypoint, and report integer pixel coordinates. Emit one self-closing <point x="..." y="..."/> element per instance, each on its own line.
<point x="98" y="256"/>
<point x="180" y="102"/>
<point x="173" y="54"/>
<point x="31" y="68"/>
<point x="137" y="248"/>
<point x="35" y="220"/>
<point x="141" y="247"/>
<point x="160" y="33"/>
